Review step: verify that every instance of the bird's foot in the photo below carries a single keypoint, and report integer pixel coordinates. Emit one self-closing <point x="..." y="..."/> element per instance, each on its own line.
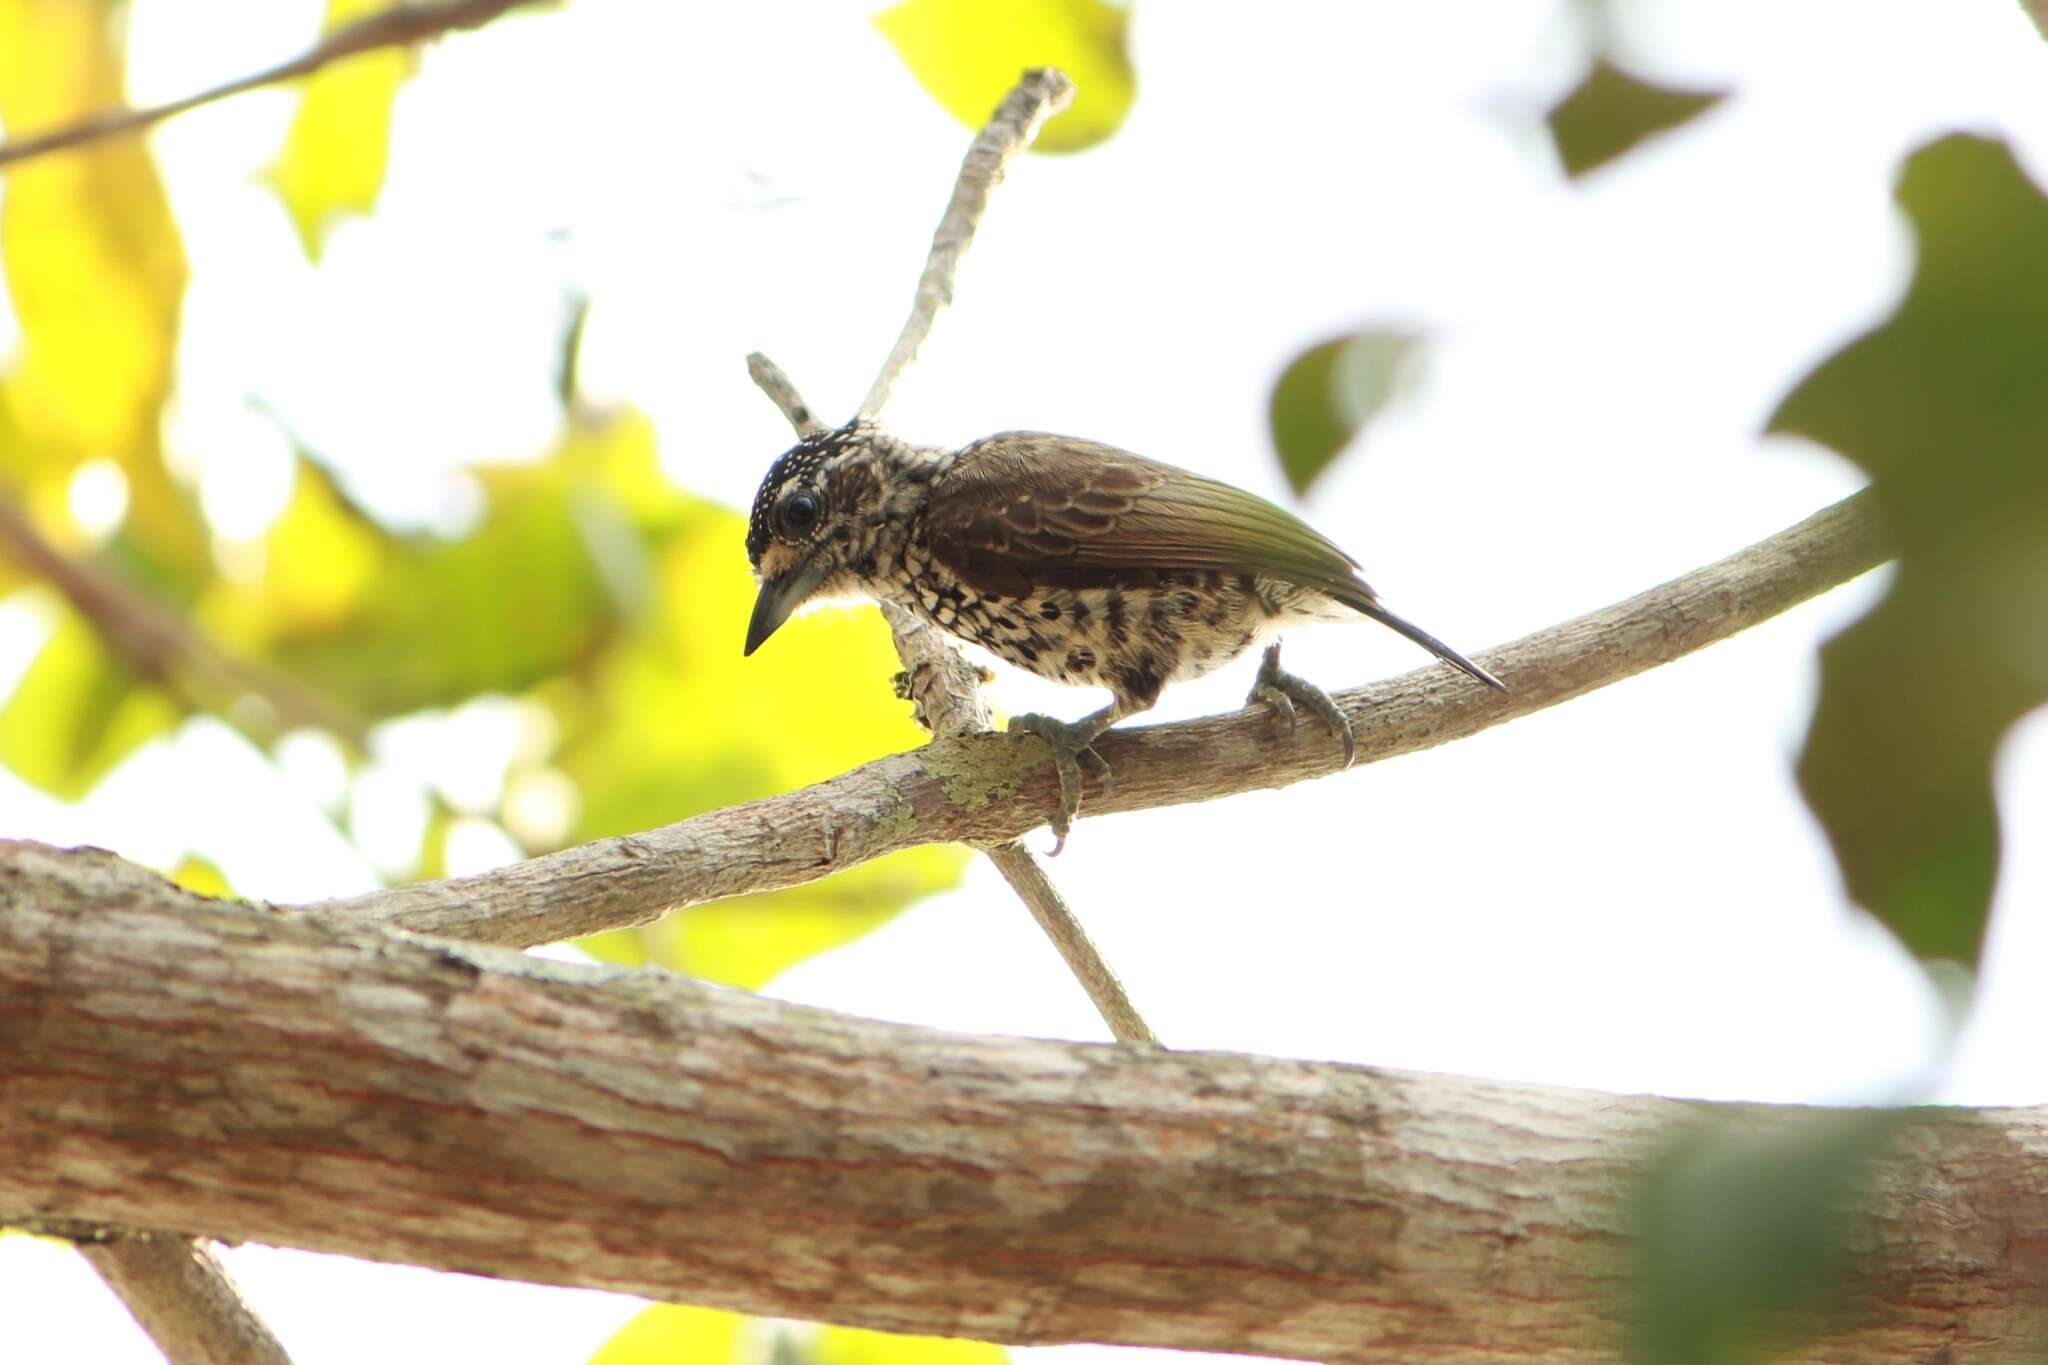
<point x="1281" y="692"/>
<point x="1071" y="743"/>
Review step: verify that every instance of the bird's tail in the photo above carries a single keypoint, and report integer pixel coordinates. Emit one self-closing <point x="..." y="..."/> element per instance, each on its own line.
<point x="1429" y="642"/>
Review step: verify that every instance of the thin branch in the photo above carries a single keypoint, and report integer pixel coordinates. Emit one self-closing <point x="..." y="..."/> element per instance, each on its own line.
<point x="1026" y="875"/>
<point x="946" y="690"/>
<point x="182" y="1296"/>
<point x="991" y="789"/>
<point x="770" y="379"/>
<point x="399" y="26"/>
<point x="172" y="1061"/>
<point x="1038" y="96"/>
<point x="159" y="643"/>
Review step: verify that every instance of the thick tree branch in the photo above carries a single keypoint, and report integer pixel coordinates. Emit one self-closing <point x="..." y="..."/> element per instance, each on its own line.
<point x="991" y="789"/>
<point x="181" y="1295"/>
<point x="399" y="26"/>
<point x="173" y="1062"/>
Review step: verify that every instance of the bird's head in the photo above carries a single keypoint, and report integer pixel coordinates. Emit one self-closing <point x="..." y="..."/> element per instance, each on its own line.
<point x="817" y="521"/>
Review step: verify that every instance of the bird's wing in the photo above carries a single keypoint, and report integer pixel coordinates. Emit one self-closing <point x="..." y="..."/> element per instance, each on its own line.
<point x="1024" y="510"/>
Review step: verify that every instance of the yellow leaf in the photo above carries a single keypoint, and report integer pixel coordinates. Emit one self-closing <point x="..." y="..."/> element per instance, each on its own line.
<point x="96" y="274"/>
<point x="856" y="1346"/>
<point x="671" y="1334"/>
<point x="77" y="712"/>
<point x="335" y="155"/>
<point x="195" y="873"/>
<point x="322" y="556"/>
<point x="968" y="53"/>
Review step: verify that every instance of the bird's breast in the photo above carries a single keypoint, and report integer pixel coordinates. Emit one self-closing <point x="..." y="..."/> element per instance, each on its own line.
<point x="1132" y="638"/>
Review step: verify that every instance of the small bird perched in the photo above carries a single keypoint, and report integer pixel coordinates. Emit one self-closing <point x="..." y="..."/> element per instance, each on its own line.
<point x="1078" y="561"/>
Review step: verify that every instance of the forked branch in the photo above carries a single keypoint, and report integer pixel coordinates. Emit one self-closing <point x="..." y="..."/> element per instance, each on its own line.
<point x="990" y="789"/>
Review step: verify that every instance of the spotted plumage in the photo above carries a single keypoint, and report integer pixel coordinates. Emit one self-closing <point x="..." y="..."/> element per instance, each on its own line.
<point x="1075" y="560"/>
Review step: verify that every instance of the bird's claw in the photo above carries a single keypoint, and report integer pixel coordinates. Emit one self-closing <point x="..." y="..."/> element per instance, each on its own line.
<point x="1283" y="692"/>
<point x="1071" y="746"/>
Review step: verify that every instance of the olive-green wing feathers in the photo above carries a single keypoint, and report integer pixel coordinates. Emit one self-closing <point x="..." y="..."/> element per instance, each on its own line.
<point x="1026" y="510"/>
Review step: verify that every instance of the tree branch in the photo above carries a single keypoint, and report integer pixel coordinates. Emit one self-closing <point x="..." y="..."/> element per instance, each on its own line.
<point x="160" y="644"/>
<point x="170" y="1061"/>
<point x="990" y="789"/>
<point x="398" y="26"/>
<point x="1039" y="95"/>
<point x="182" y="1296"/>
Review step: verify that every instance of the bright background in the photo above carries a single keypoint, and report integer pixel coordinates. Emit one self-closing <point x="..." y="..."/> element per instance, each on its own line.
<point x="1624" y="893"/>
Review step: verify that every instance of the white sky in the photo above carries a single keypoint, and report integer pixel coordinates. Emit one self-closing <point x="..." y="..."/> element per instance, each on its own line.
<point x="1625" y="892"/>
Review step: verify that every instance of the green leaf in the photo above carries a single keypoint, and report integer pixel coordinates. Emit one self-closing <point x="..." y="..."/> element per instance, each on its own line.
<point x="676" y="723"/>
<point x="855" y="1346"/>
<point x="1332" y="390"/>
<point x="1610" y="112"/>
<point x="671" y="1334"/>
<point x="388" y="625"/>
<point x="334" y="157"/>
<point x="968" y="54"/>
<point x="1945" y="406"/>
<point x="78" y="711"/>
<point x="1744" y="1237"/>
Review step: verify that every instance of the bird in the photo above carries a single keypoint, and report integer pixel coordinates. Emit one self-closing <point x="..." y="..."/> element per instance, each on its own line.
<point x="1069" y="558"/>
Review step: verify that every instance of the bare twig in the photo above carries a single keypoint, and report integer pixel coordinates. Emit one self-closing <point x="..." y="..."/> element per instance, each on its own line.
<point x="159" y="643"/>
<point x="174" y="1061"/>
<point x="991" y="789"/>
<point x="401" y="25"/>
<point x="946" y="690"/>
<point x="1038" y="96"/>
<point x="182" y="1296"/>
<point x="770" y="379"/>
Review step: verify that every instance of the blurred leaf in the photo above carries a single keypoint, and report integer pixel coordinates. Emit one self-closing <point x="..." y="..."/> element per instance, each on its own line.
<point x="195" y="873"/>
<point x="1610" y="112"/>
<point x="334" y="157"/>
<point x="671" y="1334"/>
<point x="388" y="625"/>
<point x="96" y="274"/>
<point x="1944" y="404"/>
<point x="1745" y="1237"/>
<point x="78" y="711"/>
<point x="855" y="1346"/>
<point x="678" y="723"/>
<point x="968" y="54"/>
<point x="1330" y="391"/>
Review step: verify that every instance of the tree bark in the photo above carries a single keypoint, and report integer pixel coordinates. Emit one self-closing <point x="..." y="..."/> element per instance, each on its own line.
<point x="174" y="1063"/>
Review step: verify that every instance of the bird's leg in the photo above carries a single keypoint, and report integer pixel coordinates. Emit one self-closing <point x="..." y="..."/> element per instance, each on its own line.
<point x="1071" y="742"/>
<point x="1280" y="690"/>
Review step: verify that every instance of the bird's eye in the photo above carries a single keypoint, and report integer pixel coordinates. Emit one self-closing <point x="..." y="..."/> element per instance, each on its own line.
<point x="798" y="513"/>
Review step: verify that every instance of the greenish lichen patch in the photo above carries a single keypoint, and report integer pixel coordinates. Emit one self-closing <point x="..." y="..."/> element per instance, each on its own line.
<point x="976" y="771"/>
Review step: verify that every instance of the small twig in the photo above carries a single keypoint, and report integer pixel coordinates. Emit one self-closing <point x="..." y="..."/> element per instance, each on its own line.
<point x="985" y="790"/>
<point x="396" y="27"/>
<point x="159" y="643"/>
<point x="181" y="1295"/>
<point x="768" y="376"/>
<point x="1026" y="875"/>
<point x="1039" y="95"/>
<point x="946" y="690"/>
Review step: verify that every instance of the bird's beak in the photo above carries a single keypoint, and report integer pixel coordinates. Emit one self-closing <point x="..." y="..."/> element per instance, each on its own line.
<point x="781" y="596"/>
